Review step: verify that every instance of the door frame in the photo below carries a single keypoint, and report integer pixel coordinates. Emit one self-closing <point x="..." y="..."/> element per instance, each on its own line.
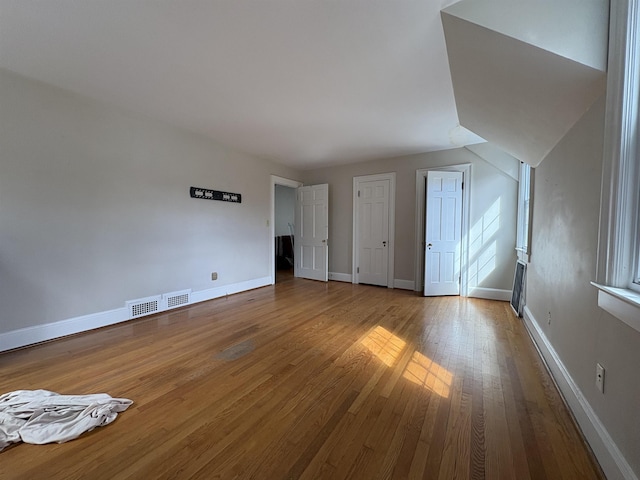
<point x="421" y="176"/>
<point x="287" y="182"/>
<point x="392" y="225"/>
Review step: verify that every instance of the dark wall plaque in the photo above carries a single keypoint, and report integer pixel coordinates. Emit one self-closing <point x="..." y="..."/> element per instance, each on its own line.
<point x="208" y="194"/>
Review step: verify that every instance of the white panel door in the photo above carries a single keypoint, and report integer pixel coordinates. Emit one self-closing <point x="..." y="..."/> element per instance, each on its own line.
<point x="312" y="232"/>
<point x="443" y="235"/>
<point x="373" y="232"/>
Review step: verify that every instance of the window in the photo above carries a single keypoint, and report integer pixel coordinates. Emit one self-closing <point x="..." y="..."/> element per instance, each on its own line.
<point x="619" y="247"/>
<point x="524" y="212"/>
<point x="635" y="285"/>
<point x="636" y="282"/>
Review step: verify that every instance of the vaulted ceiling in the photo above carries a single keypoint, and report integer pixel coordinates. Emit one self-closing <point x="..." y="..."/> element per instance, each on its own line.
<point x="312" y="83"/>
<point x="305" y="83"/>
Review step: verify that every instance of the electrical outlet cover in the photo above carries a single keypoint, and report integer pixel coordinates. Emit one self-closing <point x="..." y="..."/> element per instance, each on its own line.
<point x="600" y="377"/>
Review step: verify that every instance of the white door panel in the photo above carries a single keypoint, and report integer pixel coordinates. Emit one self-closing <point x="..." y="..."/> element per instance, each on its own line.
<point x="443" y="234"/>
<point x="373" y="232"/>
<point x="312" y="232"/>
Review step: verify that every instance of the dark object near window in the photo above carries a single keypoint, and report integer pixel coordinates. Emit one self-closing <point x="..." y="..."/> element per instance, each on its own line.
<point x="517" y="295"/>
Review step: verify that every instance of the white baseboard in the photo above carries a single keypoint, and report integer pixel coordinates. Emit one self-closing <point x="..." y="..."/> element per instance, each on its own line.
<point x="223" y="291"/>
<point x="403" y="284"/>
<point x="490" y="294"/>
<point x="347" y="277"/>
<point x="340" y="277"/>
<point x="40" y="333"/>
<point x="606" y="451"/>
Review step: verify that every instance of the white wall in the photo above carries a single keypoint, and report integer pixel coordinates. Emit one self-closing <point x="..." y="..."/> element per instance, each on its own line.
<point x="95" y="208"/>
<point x="563" y="262"/>
<point x="285" y="209"/>
<point x="575" y="29"/>
<point x="489" y="188"/>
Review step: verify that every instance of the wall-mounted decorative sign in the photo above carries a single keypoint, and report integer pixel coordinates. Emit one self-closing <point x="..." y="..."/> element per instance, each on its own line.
<point x="208" y="194"/>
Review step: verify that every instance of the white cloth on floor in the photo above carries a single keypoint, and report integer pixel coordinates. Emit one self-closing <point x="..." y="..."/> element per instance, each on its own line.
<point x="41" y="416"/>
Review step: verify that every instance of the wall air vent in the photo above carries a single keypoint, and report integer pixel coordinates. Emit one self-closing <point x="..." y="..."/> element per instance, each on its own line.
<point x="143" y="306"/>
<point x="158" y="303"/>
<point x="176" y="299"/>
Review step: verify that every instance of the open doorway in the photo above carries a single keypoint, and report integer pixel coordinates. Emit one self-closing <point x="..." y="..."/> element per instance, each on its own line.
<point x="284" y="228"/>
<point x="281" y="215"/>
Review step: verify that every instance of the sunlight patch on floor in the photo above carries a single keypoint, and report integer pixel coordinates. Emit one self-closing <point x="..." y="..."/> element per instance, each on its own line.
<point x="424" y="371"/>
<point x="420" y="370"/>
<point x="384" y="344"/>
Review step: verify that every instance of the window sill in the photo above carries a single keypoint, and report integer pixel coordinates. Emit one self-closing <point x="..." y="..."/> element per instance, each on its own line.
<point x="622" y="303"/>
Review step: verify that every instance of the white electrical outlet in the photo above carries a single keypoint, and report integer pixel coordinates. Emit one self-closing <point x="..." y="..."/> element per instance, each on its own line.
<point x="600" y="377"/>
<point x="549" y="319"/>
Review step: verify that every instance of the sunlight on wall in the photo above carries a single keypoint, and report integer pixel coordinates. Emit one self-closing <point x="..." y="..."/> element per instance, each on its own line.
<point x="420" y="369"/>
<point x="483" y="251"/>
<point x="484" y="228"/>
<point x="384" y="345"/>
<point x="480" y="268"/>
<point x="424" y="371"/>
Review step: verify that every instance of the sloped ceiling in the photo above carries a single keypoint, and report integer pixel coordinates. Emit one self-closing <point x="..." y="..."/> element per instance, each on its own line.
<point x="500" y="159"/>
<point x="523" y="73"/>
<point x="306" y="83"/>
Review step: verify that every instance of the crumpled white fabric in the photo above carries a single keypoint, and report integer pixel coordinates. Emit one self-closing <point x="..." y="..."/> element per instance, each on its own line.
<point x="41" y="416"/>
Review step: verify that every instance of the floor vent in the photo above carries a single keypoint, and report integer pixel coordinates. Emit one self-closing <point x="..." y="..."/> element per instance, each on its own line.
<point x="143" y="306"/>
<point x="176" y="299"/>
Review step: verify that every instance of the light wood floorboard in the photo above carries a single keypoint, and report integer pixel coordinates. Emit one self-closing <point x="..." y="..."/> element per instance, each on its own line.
<point x="308" y="380"/>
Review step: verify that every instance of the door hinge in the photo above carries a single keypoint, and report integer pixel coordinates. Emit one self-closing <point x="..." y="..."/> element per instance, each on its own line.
<point x="462" y="187"/>
<point x="358" y="193"/>
<point x="358" y="270"/>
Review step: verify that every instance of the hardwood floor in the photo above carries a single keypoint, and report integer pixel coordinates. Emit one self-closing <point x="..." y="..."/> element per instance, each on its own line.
<point x="308" y="380"/>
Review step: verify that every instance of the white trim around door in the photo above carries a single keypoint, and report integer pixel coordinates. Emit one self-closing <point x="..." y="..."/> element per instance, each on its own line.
<point x="392" y="224"/>
<point x="275" y="180"/>
<point x="421" y="176"/>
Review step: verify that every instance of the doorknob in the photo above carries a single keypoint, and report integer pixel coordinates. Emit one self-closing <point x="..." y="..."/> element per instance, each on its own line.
<point x="429" y="245"/>
<point x="384" y="244"/>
